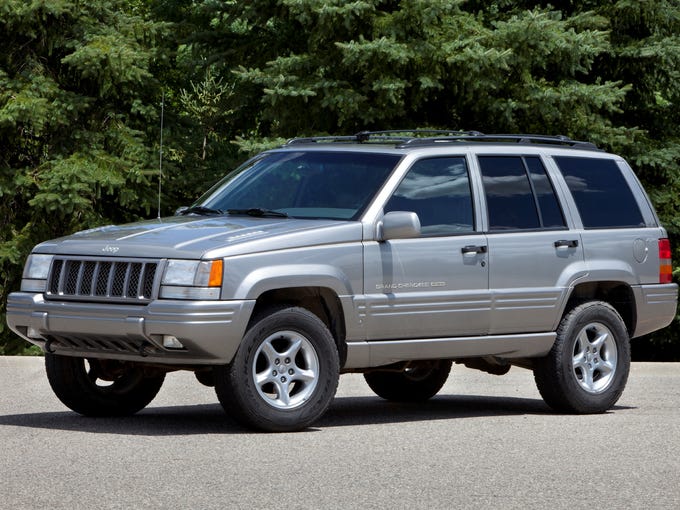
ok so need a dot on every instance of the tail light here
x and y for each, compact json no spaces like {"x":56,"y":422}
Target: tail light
{"x":665,"y":265}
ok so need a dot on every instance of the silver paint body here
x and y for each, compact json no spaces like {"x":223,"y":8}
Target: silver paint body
{"x":402,"y":299}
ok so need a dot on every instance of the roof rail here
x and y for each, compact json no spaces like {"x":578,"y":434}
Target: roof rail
{"x":424,"y":137}
{"x":410,"y":134}
{"x":396,"y":136}
{"x":524,"y":139}
{"x":322,"y":139}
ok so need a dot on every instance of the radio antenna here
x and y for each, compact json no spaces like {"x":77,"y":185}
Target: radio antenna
{"x":160,"y":156}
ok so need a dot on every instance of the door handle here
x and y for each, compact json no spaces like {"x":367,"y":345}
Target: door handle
{"x":569,"y":243}
{"x":471,"y":248}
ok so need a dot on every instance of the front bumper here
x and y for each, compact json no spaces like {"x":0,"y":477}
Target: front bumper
{"x":210,"y":331}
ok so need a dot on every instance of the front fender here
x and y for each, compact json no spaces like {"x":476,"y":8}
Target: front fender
{"x":269,"y":278}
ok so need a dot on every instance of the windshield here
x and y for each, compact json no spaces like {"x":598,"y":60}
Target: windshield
{"x":313,"y":184}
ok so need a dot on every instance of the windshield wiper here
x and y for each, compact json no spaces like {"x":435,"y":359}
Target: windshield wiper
{"x":199,"y":209}
{"x":258,"y":211}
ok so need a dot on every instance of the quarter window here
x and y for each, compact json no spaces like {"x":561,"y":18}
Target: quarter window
{"x":601,"y":193}
{"x":438,"y":191}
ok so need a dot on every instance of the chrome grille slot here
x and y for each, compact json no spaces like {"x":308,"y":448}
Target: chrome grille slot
{"x":55,"y":276}
{"x":85,"y":286}
{"x":71,"y":273}
{"x":91,"y":279}
{"x":103,"y":274}
{"x":119,"y":276}
{"x":132,"y":287}
{"x":149,"y":273}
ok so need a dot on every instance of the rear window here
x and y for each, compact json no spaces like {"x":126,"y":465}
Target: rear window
{"x":601,"y":193}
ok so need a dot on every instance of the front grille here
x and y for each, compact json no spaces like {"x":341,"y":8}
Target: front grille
{"x":129,"y":281}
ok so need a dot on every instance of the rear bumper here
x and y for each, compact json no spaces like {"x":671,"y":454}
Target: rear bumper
{"x":210,"y":331}
{"x":656,"y":307}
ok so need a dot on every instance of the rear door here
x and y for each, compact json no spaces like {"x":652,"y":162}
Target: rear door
{"x":533,"y":256}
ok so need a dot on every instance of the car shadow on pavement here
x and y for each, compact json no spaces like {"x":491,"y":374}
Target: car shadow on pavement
{"x":347,"y":411}
{"x":152,"y":421}
{"x":344,"y":411}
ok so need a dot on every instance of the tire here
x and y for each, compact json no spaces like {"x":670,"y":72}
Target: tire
{"x":587,"y":368}
{"x":93,"y":387}
{"x":206,"y":377}
{"x":284,"y":375}
{"x":418,"y":382}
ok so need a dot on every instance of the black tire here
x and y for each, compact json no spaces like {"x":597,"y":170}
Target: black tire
{"x":284,"y":375}
{"x":94,"y":387}
{"x":206,"y":377}
{"x":587,"y":368}
{"x":420,"y":381}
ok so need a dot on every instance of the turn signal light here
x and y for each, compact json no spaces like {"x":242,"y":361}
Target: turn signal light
{"x":215,"y":279}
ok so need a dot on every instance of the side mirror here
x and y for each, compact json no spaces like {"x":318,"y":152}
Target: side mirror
{"x":180,"y":210}
{"x":399,"y":225}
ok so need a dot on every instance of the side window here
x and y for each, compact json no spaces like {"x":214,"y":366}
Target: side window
{"x":601,"y":193}
{"x":519,"y":194}
{"x":438,"y":191}
{"x":548,"y":206}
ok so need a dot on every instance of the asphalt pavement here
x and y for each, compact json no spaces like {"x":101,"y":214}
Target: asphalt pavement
{"x":483,"y":442}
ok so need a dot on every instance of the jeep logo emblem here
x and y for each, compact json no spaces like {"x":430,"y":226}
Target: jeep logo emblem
{"x":110,"y":249}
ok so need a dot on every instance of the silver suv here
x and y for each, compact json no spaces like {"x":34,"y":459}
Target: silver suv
{"x":391,"y":254}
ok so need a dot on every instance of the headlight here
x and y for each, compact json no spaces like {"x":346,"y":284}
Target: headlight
{"x":35,"y":272}
{"x":192,"y":279}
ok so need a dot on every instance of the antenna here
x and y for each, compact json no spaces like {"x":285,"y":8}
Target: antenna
{"x":160,"y":156}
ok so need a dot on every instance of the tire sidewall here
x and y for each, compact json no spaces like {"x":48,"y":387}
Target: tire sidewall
{"x":69,"y":380}
{"x":584,"y":315}
{"x":402,"y":387}
{"x":241,"y":393}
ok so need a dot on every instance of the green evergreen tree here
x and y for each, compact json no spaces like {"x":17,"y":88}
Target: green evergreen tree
{"x":604,"y":71}
{"x":78,"y":116}
{"x":80,"y":89}
{"x":337,"y":66}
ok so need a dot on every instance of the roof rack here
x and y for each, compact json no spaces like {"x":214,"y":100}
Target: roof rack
{"x":425,"y":137}
{"x":524,"y":139}
{"x":396,"y":136}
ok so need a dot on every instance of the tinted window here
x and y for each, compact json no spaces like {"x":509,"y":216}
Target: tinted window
{"x":549,"y":208}
{"x":305,"y":184}
{"x":601,"y":193}
{"x":509,"y":198}
{"x":438,"y":191}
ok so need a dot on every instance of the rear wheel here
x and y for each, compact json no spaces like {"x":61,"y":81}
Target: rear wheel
{"x":284,"y":375}
{"x":420,"y":380}
{"x":587,"y":369}
{"x":94,"y":387}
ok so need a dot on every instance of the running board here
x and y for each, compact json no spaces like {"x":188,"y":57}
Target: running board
{"x":384,"y":352}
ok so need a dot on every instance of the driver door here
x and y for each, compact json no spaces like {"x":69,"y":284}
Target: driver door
{"x":435,"y":285}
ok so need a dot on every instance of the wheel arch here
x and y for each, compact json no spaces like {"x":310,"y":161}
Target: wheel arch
{"x":321,"y":301}
{"x":618,"y":294}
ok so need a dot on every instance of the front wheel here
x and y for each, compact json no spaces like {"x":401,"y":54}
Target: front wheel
{"x":94,"y":387}
{"x":420,"y":380}
{"x":284,"y":375}
{"x":587,"y":368}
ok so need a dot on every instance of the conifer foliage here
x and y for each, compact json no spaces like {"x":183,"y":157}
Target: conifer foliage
{"x":80,"y":86}
{"x":76,"y":111}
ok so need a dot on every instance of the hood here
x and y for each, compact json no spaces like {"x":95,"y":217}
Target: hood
{"x":199,"y":236}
